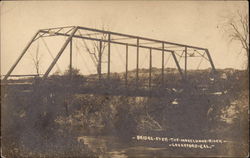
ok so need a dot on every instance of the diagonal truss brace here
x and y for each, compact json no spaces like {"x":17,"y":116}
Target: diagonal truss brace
{"x":60,"y":52}
{"x":20,"y":57}
{"x":72,"y":34}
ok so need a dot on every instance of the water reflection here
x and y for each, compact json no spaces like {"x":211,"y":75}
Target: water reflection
{"x":104,"y":146}
{"x":109,"y":146}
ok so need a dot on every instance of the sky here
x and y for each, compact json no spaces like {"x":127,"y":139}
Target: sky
{"x":196,"y":23}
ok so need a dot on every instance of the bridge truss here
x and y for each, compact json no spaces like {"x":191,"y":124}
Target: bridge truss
{"x":109,"y":38}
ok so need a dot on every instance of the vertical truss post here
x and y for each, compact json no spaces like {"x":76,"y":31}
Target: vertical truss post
{"x":70,"y":57}
{"x":137,"y":61}
{"x":150,"y":67}
{"x":177,"y":64}
{"x":185,"y":62}
{"x":109,"y":56}
{"x":126,"y":73}
{"x":100,"y":61}
{"x":21,"y":55}
{"x":210,"y":60}
{"x":162,"y":67}
{"x":60,"y":53}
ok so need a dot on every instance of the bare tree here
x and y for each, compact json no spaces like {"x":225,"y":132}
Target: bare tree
{"x":96,"y":49}
{"x":237,"y":29}
{"x":37,"y":60}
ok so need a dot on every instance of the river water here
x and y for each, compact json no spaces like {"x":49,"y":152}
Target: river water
{"x":110,"y":146}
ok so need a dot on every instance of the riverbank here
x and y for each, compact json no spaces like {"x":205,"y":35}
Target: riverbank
{"x":49,"y":122}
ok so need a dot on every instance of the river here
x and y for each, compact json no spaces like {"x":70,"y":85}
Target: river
{"x":112,"y":147}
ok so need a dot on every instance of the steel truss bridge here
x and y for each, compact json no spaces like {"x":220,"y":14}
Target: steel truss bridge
{"x":108,"y":39}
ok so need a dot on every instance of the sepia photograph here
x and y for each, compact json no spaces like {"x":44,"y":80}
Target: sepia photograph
{"x":124,"y":79}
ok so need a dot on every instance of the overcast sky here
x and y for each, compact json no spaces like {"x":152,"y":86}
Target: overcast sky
{"x":194,"y":23}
